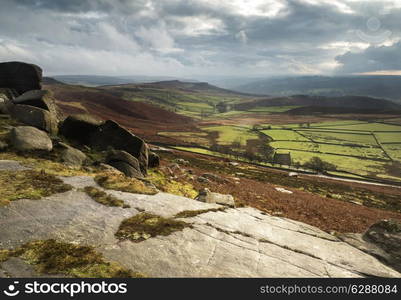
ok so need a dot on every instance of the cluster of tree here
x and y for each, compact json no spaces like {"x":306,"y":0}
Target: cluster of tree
{"x":319,"y":165}
{"x":253,"y":152}
{"x":307,"y":125}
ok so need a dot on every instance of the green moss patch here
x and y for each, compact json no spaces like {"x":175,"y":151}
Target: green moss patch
{"x":29,"y":184}
{"x":125,"y":184}
{"x":194,"y":213}
{"x":54,"y":257}
{"x":144,"y":226}
{"x":104,"y":198}
{"x":162,"y":182}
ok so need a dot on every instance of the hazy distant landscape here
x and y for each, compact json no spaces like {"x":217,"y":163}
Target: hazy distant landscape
{"x":200,"y":139}
{"x":359,"y":136}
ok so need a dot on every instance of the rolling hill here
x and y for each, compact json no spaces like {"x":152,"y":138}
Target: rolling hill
{"x":350,"y":104}
{"x":388,"y":87}
{"x":145,"y":118}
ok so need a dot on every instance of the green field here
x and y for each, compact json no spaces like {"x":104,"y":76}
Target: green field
{"x":368,"y":152}
{"x":376,"y":127}
{"x":394,"y":150}
{"x":286,"y":135}
{"x":272,"y":109}
{"x":359,"y":166}
{"x":229,"y":134}
{"x":352,"y":146}
{"x":329,"y":136}
{"x":388,"y":137}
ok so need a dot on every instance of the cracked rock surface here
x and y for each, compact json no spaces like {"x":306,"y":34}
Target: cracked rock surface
{"x":236,"y":242}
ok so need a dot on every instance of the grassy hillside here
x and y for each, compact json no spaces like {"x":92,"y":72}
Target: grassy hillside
{"x":187,"y":98}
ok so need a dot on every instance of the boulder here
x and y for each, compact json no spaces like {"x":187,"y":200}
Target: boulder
{"x":72,"y":156}
{"x":124,"y":162}
{"x":111,"y":134}
{"x":26,"y":138}
{"x":386,"y":235}
{"x":205,"y":195}
{"x":382,"y":240}
{"x":153,"y":160}
{"x":85,"y":130}
{"x":202,"y":179}
{"x":38,"y":98}
{"x":21,"y":77}
{"x":107,"y":168}
{"x":181,"y":161}
{"x":79,"y":128}
{"x":36,"y":117}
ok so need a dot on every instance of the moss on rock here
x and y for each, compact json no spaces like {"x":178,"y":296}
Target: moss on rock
{"x":54,"y":257}
{"x":144,"y":225}
{"x":194,"y":213}
{"x":104,"y":198}
{"x":122,"y":183}
{"x":29,"y":184}
{"x":162,"y":182}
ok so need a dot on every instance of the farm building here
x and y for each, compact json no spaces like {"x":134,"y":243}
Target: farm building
{"x":282,"y":159}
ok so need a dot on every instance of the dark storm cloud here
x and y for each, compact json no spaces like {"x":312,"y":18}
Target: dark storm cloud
{"x":199,"y":36}
{"x":372,"y":59}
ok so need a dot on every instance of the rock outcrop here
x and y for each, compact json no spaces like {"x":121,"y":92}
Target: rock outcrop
{"x":36,"y":117}
{"x":234,"y":242}
{"x":72,"y":156}
{"x":79,"y":128}
{"x":382,"y":240}
{"x":27,"y":138}
{"x":111,"y":134}
{"x":124,"y":162}
{"x":153,"y":160}
{"x":105,"y":135}
{"x":21,"y":77}
{"x":205,"y":195}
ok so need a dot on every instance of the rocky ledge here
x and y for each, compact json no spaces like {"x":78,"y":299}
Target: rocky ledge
{"x":215,"y":241}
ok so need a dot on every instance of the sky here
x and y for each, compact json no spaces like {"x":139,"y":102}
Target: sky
{"x":245,"y":38}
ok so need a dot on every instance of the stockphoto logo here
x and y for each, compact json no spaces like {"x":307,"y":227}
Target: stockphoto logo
{"x":70,"y":289}
{"x":12,"y":290}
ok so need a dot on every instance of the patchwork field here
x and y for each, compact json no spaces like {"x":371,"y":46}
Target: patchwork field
{"x":226,"y":135}
{"x":356,"y":148}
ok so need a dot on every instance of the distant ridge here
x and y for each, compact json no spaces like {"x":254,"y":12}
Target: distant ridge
{"x":346,"y":103}
{"x":388,"y":87}
{"x":50,"y":81}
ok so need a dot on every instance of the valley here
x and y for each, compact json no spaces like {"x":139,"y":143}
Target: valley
{"x":363,"y":141}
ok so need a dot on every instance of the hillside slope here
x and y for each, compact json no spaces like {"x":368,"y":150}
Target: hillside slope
{"x":145,"y":118}
{"x":239,"y":242}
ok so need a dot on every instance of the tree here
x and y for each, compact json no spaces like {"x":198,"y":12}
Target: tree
{"x":317,"y":164}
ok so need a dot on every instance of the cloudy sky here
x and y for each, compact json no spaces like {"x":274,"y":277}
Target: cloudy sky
{"x":201,"y":37}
